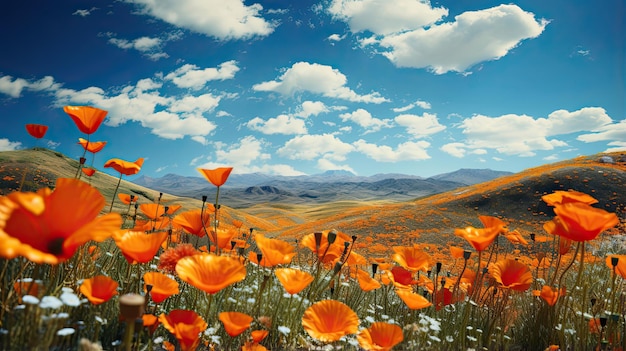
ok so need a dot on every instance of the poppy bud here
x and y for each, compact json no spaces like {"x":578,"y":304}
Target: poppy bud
{"x":148,"y":288}
{"x":332,"y":236}
{"x":603,"y":321}
{"x":131,"y":306}
{"x":165,"y":210}
{"x":251,"y":230}
{"x":614,"y":261}
{"x":439,"y":264}
{"x":232,"y":244}
{"x":318,"y":240}
{"x":467,"y":254}
{"x":204,"y":197}
{"x":259,"y":257}
{"x":160,"y":196}
{"x":532,"y":236}
{"x":132,"y":198}
{"x":337,"y":268}
{"x":353,"y":238}
{"x":82,"y":160}
{"x":374,"y":269}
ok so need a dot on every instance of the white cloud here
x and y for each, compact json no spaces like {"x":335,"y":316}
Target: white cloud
{"x":335,"y":37}
{"x":317,"y":79}
{"x":615,"y":132}
{"x":8,"y":145}
{"x":454,"y":149}
{"x":191,"y":76}
{"x":83,"y":12}
{"x":420,"y":126}
{"x":385,"y":16}
{"x":308,"y":147}
{"x":474,"y":36}
{"x":419,"y":103}
{"x":312,"y":108}
{"x":282,"y":124}
{"x":618,"y":146}
{"x":412,"y":33}
{"x":325,"y":164}
{"x":408,"y":151}
{"x":364,"y":119}
{"x":221,"y":19}
{"x":199,"y":104}
{"x":524,"y":135}
{"x":14,"y":87}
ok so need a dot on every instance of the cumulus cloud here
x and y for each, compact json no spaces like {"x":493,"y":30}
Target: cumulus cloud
{"x":408,"y":151}
{"x":385,"y":16}
{"x":193,"y":77}
{"x":364,"y":119}
{"x":524,"y":135}
{"x":325,"y":164}
{"x":282,"y":124}
{"x":8,"y":145}
{"x":615,"y":132}
{"x":312,"y":108}
{"x":84,"y":12}
{"x":317,"y":79}
{"x":419,"y":103}
{"x":221,"y":19}
{"x":309,"y":147}
{"x":420,"y":126}
{"x":14,"y":86}
{"x":474,"y":36}
{"x":413,"y":34}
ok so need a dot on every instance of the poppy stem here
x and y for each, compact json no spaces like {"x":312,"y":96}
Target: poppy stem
{"x":119,"y":180}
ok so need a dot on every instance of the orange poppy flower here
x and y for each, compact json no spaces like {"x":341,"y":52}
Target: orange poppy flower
{"x":493,"y":222}
{"x":457,"y":252}
{"x":162,"y":286}
{"x":224,"y":237}
{"x":92,"y":146}
{"x":36,"y":130}
{"x":216,"y":176}
{"x":549,"y":294}
{"x":171,"y":209}
{"x":237,"y":223}
{"x":258,"y":335}
{"x":235,"y":323}
{"x":274,"y":251}
{"x":293,"y":280}
{"x":326,"y":252}
{"x":99,"y":289}
{"x":150,"y":321}
{"x":412,"y":300}
{"x":139,"y":247}
{"x":560,"y":197}
{"x":125,"y":167}
{"x":479,"y":238}
{"x":193,"y":222}
{"x":127,"y":199}
{"x":86,"y":118}
{"x":209,"y":272}
{"x":329,"y":320}
{"x":380,"y":336}
{"x":49,"y":226}
{"x":411,"y":258}
{"x":170,"y":257}
{"x":515,"y":237}
{"x":152,"y":210}
{"x":578,"y":221}
{"x":564,"y":245}
{"x":186,"y":326}
{"x":366,"y":282}
{"x":402,"y":275}
{"x":512,"y":274}
{"x":88,"y":171}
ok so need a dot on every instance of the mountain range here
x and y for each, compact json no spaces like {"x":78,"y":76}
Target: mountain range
{"x":245,"y":190}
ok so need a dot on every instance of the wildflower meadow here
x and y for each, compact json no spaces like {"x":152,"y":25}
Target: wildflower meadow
{"x":78,"y":274}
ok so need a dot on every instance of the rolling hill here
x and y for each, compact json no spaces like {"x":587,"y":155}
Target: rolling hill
{"x":380,"y":218}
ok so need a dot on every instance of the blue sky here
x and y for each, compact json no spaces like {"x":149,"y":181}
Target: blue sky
{"x":301,"y":87}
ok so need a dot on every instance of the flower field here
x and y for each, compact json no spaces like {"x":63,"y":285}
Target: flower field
{"x":112,"y":268}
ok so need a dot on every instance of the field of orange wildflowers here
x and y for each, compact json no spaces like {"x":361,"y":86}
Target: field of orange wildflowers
{"x":78,"y":275}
